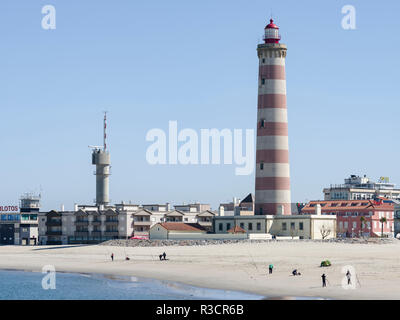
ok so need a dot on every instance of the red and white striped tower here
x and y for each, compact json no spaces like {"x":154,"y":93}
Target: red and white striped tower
{"x":272,"y":158}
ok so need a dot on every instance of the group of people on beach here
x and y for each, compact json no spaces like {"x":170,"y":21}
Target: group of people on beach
{"x":295,"y":272}
{"x":161,"y":256}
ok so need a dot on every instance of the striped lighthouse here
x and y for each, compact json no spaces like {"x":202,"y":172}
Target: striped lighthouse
{"x":272,"y":193}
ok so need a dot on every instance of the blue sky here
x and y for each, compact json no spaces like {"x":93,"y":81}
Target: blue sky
{"x":148,"y":62}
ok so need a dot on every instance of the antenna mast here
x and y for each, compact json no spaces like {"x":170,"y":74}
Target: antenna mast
{"x":105,"y":131}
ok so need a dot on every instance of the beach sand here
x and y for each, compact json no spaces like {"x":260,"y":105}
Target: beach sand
{"x":239,"y":266}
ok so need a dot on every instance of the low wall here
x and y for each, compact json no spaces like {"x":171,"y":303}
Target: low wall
{"x":207,"y":236}
{"x":260,"y":236}
{"x":287,"y":238}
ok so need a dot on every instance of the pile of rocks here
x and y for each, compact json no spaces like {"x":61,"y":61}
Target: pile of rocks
{"x":164,"y":243}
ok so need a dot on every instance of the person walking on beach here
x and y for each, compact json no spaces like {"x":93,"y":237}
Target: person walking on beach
{"x":270,"y":268}
{"x":348,"y":275}
{"x":323,"y":280}
{"x":112,"y":256}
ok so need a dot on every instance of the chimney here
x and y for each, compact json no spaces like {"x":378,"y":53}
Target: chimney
{"x":75,"y":207}
{"x":221,"y":211}
{"x":62,"y":208}
{"x":318,"y":209}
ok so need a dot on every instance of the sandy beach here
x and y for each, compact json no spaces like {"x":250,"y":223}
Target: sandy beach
{"x":239,"y":267}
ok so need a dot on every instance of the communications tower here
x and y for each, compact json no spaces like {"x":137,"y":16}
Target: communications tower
{"x":101,"y":159}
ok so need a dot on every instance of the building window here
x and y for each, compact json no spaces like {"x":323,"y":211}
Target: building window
{"x":258,"y":226}
{"x":284,"y":226}
{"x":261,"y":209}
{"x":301,"y":227}
{"x":228,"y":226}
{"x":220,"y":227}
{"x":242,"y":225}
{"x":250,"y":226}
{"x":292,"y":226}
{"x":263,"y":60}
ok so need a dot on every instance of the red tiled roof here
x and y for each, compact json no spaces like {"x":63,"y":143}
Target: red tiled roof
{"x":180,"y":226}
{"x":347,"y":205}
{"x":236,"y":229}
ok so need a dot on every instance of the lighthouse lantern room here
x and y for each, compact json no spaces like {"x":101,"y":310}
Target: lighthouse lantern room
{"x":272,"y":33}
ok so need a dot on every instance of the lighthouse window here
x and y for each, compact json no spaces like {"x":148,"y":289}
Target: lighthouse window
{"x":262,"y":166}
{"x":263,"y":60}
{"x":262,"y":81}
{"x":263,"y":123}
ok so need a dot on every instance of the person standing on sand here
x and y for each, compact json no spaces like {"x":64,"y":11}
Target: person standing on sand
{"x":112,"y":256}
{"x":348,"y":275}
{"x":164,"y":256}
{"x":270,"y":268}
{"x":323,"y":280}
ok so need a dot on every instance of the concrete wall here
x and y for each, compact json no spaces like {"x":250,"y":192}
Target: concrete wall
{"x":206,"y":236}
{"x":276,"y":227}
{"x":318,"y":224}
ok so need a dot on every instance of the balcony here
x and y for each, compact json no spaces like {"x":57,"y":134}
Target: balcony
{"x":81,"y":222}
{"x":54,"y":233}
{"x":141,"y":228}
{"x":142,"y":223}
{"x":173,"y":220}
{"x":52,"y":222}
{"x":112,"y":222}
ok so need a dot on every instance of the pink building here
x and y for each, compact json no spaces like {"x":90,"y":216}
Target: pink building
{"x":349,"y":213}
{"x":272,"y":185}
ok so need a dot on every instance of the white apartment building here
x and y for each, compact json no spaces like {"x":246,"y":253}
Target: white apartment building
{"x":362,"y":188}
{"x":92,"y":224}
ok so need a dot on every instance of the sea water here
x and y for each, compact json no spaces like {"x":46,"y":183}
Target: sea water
{"x":21,"y":285}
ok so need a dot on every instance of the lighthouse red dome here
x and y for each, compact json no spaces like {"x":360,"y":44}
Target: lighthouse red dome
{"x":271,"y":25}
